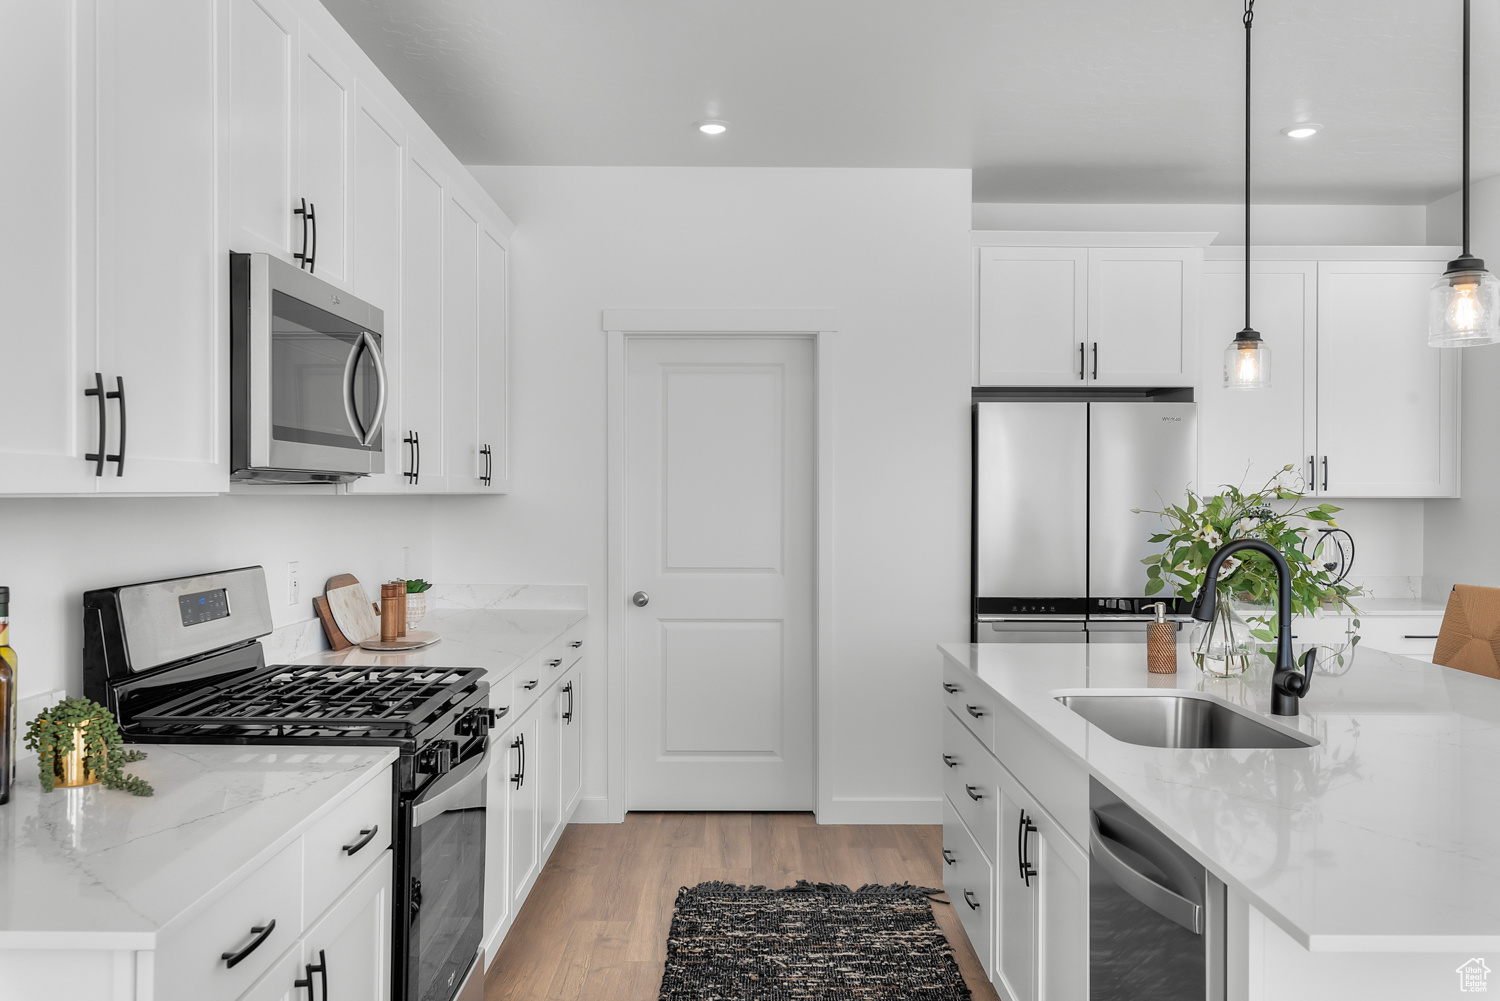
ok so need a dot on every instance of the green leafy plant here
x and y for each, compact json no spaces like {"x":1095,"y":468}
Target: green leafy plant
{"x":1276,"y":513}
{"x":417,"y":586}
{"x":104,"y":754}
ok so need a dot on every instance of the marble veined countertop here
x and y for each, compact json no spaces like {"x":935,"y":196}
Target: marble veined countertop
{"x":1383,"y":837}
{"x":101,"y":869}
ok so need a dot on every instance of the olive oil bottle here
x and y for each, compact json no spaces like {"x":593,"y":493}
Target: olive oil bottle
{"x":8,"y":722}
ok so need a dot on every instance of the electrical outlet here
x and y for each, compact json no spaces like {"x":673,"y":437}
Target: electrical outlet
{"x":294,"y":583}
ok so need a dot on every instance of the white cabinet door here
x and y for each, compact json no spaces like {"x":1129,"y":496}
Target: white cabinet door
{"x":262,"y":84}
{"x":1015,"y":963}
{"x":1246,"y":436}
{"x":352,"y":941}
{"x":1033,"y":316}
{"x":46,"y":423}
{"x":460,"y":346}
{"x":161,"y":275}
{"x":1387,"y":403}
{"x":523,"y":745}
{"x":570,"y":756}
{"x":1143,"y":316}
{"x":325,"y":111}
{"x":492,"y":370}
{"x":497,"y":809}
{"x":548,"y":775}
{"x":1062,"y":888}
{"x":375,"y":266}
{"x":417,"y":443}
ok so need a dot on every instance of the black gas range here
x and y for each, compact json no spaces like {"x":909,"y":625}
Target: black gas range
{"x":179,"y":661}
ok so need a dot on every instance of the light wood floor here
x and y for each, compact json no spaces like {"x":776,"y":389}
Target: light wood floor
{"x":595,"y":926}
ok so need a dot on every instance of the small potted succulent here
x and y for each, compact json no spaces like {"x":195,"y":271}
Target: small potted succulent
{"x":416,"y":601}
{"x":78,"y":743}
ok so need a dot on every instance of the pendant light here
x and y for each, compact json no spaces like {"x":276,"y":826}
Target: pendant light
{"x":1247,"y":360}
{"x":1465,"y":302}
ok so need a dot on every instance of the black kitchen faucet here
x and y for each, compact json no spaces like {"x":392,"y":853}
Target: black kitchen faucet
{"x":1287,"y":684}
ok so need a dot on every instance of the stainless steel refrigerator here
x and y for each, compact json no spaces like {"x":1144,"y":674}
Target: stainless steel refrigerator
{"x":1057,"y":550}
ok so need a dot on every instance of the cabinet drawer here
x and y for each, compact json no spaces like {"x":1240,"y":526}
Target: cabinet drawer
{"x":328,"y":867}
{"x":971,"y":779}
{"x":967,"y":698}
{"x":193,"y":952}
{"x":562,"y":653}
{"x":526,"y":683}
{"x":968,"y":879}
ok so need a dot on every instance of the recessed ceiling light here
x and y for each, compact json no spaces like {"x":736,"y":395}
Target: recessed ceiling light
{"x":1301,"y":130}
{"x":712,"y":126}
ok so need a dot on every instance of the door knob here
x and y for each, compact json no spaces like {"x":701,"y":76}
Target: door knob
{"x":640,"y":599}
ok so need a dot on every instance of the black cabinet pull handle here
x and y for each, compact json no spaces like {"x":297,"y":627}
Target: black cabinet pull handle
{"x":1420,"y":636}
{"x":97,"y":457}
{"x":416,"y":469}
{"x":1025,"y":831}
{"x":368,"y":836}
{"x":1096,"y":352}
{"x":975,"y":796}
{"x":302,"y":258}
{"x":531,"y":684}
{"x":948,"y":857}
{"x":484,"y":477}
{"x":310,"y":256}
{"x":1080,"y":361}
{"x":950,"y":761}
{"x":1312,"y":471}
{"x":975,"y":711}
{"x":951,"y":688}
{"x":519,"y":744}
{"x":1325,"y":472}
{"x":568,"y":716}
{"x":321,"y":969}
{"x":555,"y":662}
{"x":261,"y":933}
{"x":118,"y":393}
{"x":969,"y":899}
{"x":576,"y":644}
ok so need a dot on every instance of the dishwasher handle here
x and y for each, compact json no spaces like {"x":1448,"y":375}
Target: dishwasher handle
{"x":1169,"y":903}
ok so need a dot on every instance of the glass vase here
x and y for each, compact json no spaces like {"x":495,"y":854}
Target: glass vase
{"x":1222,"y":646}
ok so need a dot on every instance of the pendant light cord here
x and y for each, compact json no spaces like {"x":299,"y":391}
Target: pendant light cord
{"x":1466,"y":127}
{"x":1249,"y":19}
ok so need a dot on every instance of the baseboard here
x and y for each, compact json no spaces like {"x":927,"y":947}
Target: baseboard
{"x":592,"y":810}
{"x":882,"y":810}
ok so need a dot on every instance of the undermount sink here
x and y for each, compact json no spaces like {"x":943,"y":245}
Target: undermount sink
{"x":1179,"y":719}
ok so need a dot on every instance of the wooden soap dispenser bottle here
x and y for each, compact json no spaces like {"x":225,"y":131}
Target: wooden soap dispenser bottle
{"x":1161,"y":642}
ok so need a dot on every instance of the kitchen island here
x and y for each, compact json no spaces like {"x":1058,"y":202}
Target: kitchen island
{"x":1365,"y":866}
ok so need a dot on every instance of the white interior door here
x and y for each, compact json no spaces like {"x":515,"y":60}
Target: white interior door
{"x":719,"y":539}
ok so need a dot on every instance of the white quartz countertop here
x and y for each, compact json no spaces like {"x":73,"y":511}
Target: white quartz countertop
{"x":1383,"y":837}
{"x":498,"y":640}
{"x":96,"y":868}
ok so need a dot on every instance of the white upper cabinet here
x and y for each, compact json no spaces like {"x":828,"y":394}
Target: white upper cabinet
{"x":464,"y":465}
{"x":1072,"y":316}
{"x":1245,"y":437}
{"x":1143,"y":316}
{"x":1387,"y":403}
{"x":325,"y":112}
{"x":494,"y":337}
{"x":416,"y":445}
{"x":1033,"y":316}
{"x":262,"y":89}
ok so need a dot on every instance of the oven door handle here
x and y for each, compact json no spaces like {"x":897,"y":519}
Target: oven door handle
{"x":379,"y":420}
{"x":1168,"y":903}
{"x":451,"y":790}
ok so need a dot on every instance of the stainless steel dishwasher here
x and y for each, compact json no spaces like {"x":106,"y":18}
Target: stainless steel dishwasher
{"x":1156,"y":916}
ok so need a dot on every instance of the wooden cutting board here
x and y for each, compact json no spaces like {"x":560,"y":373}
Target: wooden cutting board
{"x":351,"y":609}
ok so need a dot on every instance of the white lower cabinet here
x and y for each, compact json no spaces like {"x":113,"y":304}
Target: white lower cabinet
{"x":1021,"y":890}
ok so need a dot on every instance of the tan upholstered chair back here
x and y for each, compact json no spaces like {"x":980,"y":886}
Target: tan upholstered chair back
{"x":1470,"y":637}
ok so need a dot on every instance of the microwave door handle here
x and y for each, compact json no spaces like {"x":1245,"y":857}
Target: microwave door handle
{"x":379,"y":419}
{"x":351,"y":366}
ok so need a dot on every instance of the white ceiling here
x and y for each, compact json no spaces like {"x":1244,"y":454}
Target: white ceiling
{"x":1047,"y":100}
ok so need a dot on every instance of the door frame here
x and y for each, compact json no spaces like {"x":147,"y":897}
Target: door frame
{"x":821,"y":326}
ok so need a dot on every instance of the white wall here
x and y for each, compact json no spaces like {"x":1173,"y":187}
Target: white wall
{"x":1462,"y":537}
{"x":888,"y":249}
{"x":1271,"y":225}
{"x":52,"y":550}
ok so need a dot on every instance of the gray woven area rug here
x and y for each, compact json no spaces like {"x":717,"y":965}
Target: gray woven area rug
{"x":809,"y":941}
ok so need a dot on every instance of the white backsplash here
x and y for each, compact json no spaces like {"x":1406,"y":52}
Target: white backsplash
{"x":508,"y":596}
{"x":294,"y":640}
{"x":1387,"y":588}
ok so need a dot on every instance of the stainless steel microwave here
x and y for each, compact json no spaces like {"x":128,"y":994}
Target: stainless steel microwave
{"x":308,"y":379}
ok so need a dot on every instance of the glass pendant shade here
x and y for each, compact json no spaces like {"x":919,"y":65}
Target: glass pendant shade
{"x":1247,"y":362}
{"x":1464,"y":307}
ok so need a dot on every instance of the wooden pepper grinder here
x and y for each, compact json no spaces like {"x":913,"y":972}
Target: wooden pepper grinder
{"x":1161,"y":642}
{"x":392,"y":597}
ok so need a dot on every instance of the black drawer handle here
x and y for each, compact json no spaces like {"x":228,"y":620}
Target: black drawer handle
{"x":948,"y":857}
{"x":975,"y":711}
{"x":261,"y":933}
{"x":969,"y":899}
{"x":576,"y":644}
{"x":1421,"y":636}
{"x":950,"y":761}
{"x":118,"y":393}
{"x":557,"y":662}
{"x":951,"y":689}
{"x":321,"y":969}
{"x":531,"y":684}
{"x":975,"y":796}
{"x":368,"y":836}
{"x":97,"y":458}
